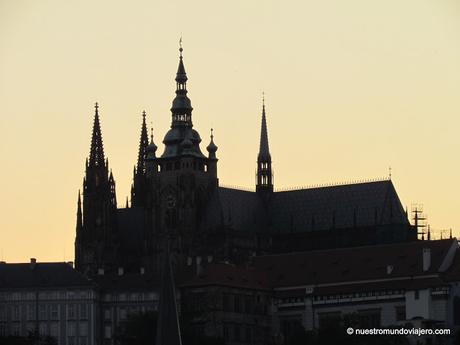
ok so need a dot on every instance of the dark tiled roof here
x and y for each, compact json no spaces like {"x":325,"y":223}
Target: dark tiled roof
{"x":236,"y":209}
{"x":336,"y":207}
{"x":43,"y":275}
{"x":352,"y":264}
{"x":323,"y":208}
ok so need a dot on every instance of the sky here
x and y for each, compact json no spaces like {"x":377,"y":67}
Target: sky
{"x":351,"y":88}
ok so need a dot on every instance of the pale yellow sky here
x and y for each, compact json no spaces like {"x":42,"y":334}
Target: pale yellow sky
{"x":352,"y":87}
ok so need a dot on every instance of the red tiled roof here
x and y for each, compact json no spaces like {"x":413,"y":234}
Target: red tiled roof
{"x":351,"y":264}
{"x":228,"y":275}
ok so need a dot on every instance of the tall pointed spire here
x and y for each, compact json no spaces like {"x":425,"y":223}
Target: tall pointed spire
{"x":143,"y":143}
{"x":181,"y":107}
{"x":264,"y":152}
{"x":264,"y":160}
{"x":79,"y":213}
{"x":96,"y":155}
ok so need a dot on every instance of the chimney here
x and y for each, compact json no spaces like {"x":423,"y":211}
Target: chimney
{"x":426,"y":259}
{"x":33,"y":263}
{"x":100,"y":271}
{"x":389,"y":269}
{"x":142,"y":270}
{"x":120,"y":271}
{"x":199,"y":268}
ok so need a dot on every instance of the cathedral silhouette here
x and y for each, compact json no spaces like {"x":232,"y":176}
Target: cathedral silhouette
{"x":176,"y":199}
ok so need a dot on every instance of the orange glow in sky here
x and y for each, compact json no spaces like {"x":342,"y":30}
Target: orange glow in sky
{"x":351,"y":88}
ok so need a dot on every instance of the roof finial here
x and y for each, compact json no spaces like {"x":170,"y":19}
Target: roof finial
{"x":180,"y":46}
{"x":143,"y":114}
{"x":389,"y":172}
{"x":212,"y":135}
{"x":151,"y":132}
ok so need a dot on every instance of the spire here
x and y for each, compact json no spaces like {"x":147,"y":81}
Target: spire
{"x":181,"y":107}
{"x":96,"y":155}
{"x":264,"y":160}
{"x":79,"y":213}
{"x":143,"y":143}
{"x":264,"y":152}
{"x":168,"y":330}
{"x":212,"y":148}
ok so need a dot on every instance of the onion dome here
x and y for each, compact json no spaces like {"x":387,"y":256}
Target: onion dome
{"x":151,"y":148}
{"x":212,"y":148}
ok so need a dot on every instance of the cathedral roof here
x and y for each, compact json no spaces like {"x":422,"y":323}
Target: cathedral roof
{"x":336,"y":207}
{"x":312,"y":209}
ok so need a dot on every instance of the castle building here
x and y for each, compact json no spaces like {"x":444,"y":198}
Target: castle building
{"x":176,"y":198}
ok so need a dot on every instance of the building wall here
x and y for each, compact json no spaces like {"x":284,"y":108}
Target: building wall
{"x":65,"y":314}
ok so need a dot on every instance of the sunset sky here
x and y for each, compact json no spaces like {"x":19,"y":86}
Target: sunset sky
{"x":351,"y":87}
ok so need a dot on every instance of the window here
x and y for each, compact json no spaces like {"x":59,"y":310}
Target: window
{"x":83,"y":311}
{"x":71,"y":311}
{"x":122,"y":313}
{"x":331,"y":319}
{"x":248,"y":305}
{"x":16,"y":328}
{"x":226,"y":302}
{"x":400,"y":313}
{"x":2,"y":313}
{"x":42,"y":312}
{"x":107,"y":314}
{"x":15,"y":313}
{"x":54,"y":329}
{"x":42,"y":329}
{"x":83,"y":329}
{"x":83,"y":341}
{"x":416,"y":294}
{"x":71,"y":329}
{"x":30,"y":312}
{"x":54,"y":315}
{"x":236,"y":304}
{"x":107,"y":332}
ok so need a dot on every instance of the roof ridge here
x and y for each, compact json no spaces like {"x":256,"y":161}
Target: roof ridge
{"x":334,"y":184}
{"x":354,"y":248}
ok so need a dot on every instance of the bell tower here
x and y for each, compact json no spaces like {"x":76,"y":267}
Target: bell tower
{"x":185,"y":177}
{"x":96,"y":243}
